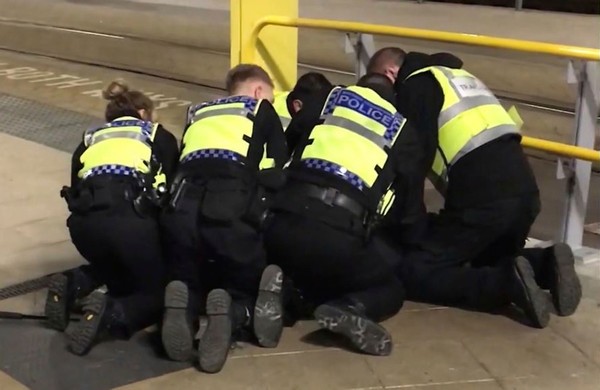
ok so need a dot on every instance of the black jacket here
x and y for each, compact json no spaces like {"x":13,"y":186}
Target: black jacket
{"x":495,"y":171}
{"x":164,"y":148}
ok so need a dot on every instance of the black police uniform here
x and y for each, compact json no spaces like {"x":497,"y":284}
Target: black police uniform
{"x":213,"y":223}
{"x":491,"y":201}
{"x":121,"y":242}
{"x":319,"y":233}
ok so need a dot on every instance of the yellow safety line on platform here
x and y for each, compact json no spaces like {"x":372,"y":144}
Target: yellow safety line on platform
{"x":583,"y":53}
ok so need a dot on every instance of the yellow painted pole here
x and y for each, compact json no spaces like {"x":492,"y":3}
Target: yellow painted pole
{"x":235,"y":32}
{"x":277,"y":48}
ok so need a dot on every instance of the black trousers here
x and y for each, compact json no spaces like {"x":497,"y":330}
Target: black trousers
{"x":125,"y":253}
{"x":330,"y":264}
{"x":208,"y":254}
{"x":465,"y":257}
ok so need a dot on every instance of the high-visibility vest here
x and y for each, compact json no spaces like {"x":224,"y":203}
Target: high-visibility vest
{"x":122,"y":147}
{"x":220,"y":129}
{"x":471,"y":116}
{"x":280,"y":105}
{"x":359,"y":129}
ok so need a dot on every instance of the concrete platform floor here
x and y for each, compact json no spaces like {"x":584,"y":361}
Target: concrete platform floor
{"x":435,"y":347}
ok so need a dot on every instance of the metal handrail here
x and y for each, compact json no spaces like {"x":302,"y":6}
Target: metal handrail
{"x":561,"y":149}
{"x":582,"y":53}
{"x":565,"y":51}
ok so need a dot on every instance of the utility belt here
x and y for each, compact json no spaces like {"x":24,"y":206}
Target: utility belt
{"x":220,"y":200}
{"x":360,"y":221}
{"x":103,"y":194}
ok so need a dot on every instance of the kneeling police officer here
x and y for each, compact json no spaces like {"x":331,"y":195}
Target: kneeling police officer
{"x":215,"y":214}
{"x":354,"y":150}
{"x":118,"y":172}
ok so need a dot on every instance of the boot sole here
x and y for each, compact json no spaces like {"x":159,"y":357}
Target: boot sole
{"x":366,"y":335}
{"x":536,"y":309}
{"x":176,"y":335}
{"x":57,"y":305}
{"x":567,"y":292}
{"x":268,"y":310}
{"x":215,"y":343}
{"x":83,"y":336}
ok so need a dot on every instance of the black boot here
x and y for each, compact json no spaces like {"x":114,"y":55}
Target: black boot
{"x":216,"y":340}
{"x":63,"y":291}
{"x":268,"y":310}
{"x":349,"y":320}
{"x":177,"y":329}
{"x":59,"y":302}
{"x":527,"y":295}
{"x":563,"y":282}
{"x":101,"y":316}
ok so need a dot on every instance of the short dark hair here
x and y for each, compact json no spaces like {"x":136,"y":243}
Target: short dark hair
{"x":244,"y":72}
{"x":380,"y":84}
{"x":308,"y":85}
{"x":385,"y":57}
{"x":312,"y":82}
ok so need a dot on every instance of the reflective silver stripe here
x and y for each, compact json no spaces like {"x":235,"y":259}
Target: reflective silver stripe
{"x":480,"y":139}
{"x":439,"y":183}
{"x":358,"y":129}
{"x":464,"y":104}
{"x":220,"y":111}
{"x":285,"y":122}
{"x":120,"y":134}
{"x":483,"y":138}
{"x":444,"y":70}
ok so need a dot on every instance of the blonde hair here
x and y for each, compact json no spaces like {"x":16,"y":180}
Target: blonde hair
{"x":245,"y":72}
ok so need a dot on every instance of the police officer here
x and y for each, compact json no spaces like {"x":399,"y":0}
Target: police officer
{"x":472,"y":148}
{"x":287,"y":104}
{"x":310,"y":86}
{"x":216,"y":211}
{"x":358,"y":147}
{"x":117,"y":172}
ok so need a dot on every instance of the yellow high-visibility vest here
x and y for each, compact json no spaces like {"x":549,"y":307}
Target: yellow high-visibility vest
{"x":358,"y":130}
{"x":280,"y":105}
{"x":122,"y":147}
{"x":471,"y":116}
{"x":220,"y":129}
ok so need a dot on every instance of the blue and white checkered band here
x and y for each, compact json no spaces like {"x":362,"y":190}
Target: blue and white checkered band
{"x":330,"y":105}
{"x":337,"y":170}
{"x":110,"y":169}
{"x":222,"y":154}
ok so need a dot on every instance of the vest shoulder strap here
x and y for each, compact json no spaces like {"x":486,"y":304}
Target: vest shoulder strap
{"x":232,"y":105}
{"x":146,"y":133}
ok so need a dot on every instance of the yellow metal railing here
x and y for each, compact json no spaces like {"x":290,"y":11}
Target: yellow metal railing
{"x":561,"y":149}
{"x":581,"y":53}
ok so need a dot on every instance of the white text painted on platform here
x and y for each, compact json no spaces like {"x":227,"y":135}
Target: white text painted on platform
{"x":63,"y":81}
